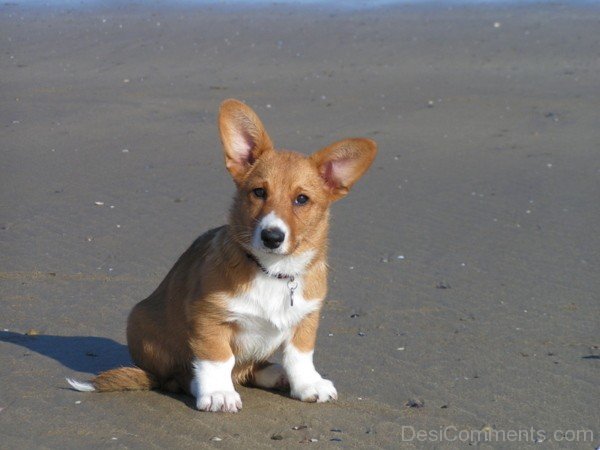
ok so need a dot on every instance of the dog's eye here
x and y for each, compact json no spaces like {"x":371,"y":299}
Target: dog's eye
{"x":259,"y":192}
{"x":301,"y":200}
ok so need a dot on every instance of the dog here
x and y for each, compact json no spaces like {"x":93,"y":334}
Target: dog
{"x":246,"y":289}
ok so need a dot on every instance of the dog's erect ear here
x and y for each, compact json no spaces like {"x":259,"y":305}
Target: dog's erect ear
{"x":243,"y":135}
{"x":342,"y":163}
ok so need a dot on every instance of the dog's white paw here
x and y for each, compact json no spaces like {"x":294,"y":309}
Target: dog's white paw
{"x":319,"y":391}
{"x":272,"y":377}
{"x":220,"y":401}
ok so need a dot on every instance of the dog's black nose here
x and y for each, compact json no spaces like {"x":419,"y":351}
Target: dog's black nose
{"x":272,"y":237}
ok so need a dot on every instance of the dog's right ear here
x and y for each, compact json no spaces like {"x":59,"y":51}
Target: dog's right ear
{"x":244,"y":137}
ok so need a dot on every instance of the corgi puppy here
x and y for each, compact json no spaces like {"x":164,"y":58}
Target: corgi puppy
{"x":246,"y":289}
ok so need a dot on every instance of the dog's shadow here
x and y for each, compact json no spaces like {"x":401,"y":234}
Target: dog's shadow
{"x":79,"y":353}
{"x":89,"y":354}
{"x":86,"y":354}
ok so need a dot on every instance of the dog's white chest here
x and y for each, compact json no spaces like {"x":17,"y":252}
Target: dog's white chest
{"x":265,"y":316}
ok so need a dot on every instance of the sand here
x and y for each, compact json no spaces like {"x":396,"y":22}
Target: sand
{"x":464,"y":267}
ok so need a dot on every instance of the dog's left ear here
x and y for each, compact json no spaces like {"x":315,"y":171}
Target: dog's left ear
{"x":342,"y":163}
{"x":244,"y":137}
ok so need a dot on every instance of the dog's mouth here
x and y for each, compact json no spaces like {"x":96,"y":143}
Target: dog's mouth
{"x":261,"y":249}
{"x":270,"y":251}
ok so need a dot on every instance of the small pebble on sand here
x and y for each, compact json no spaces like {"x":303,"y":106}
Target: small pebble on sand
{"x":415,"y":403}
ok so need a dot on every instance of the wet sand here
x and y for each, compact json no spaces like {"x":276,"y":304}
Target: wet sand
{"x":464,"y":267}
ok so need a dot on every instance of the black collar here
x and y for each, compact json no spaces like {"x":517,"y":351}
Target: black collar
{"x":292,"y":284}
{"x":279,"y":276}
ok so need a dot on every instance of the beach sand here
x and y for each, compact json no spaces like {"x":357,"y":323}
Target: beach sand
{"x":465,"y":267}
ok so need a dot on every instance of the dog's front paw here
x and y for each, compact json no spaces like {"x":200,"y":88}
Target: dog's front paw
{"x":319,"y":391}
{"x":220,"y":401}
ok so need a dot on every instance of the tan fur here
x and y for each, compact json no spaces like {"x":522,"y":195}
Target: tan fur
{"x":186,"y":316}
{"x":125,"y":378}
{"x":305,"y":335}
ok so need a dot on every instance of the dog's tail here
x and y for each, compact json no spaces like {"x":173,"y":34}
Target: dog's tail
{"x":122,"y":379}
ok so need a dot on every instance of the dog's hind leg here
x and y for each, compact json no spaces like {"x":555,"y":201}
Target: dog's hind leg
{"x":270,"y":376}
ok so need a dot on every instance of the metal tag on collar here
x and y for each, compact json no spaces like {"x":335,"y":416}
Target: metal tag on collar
{"x":292,"y":285}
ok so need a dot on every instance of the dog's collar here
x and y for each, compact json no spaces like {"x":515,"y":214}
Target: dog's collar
{"x":279,"y":276}
{"x":291,"y":279}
